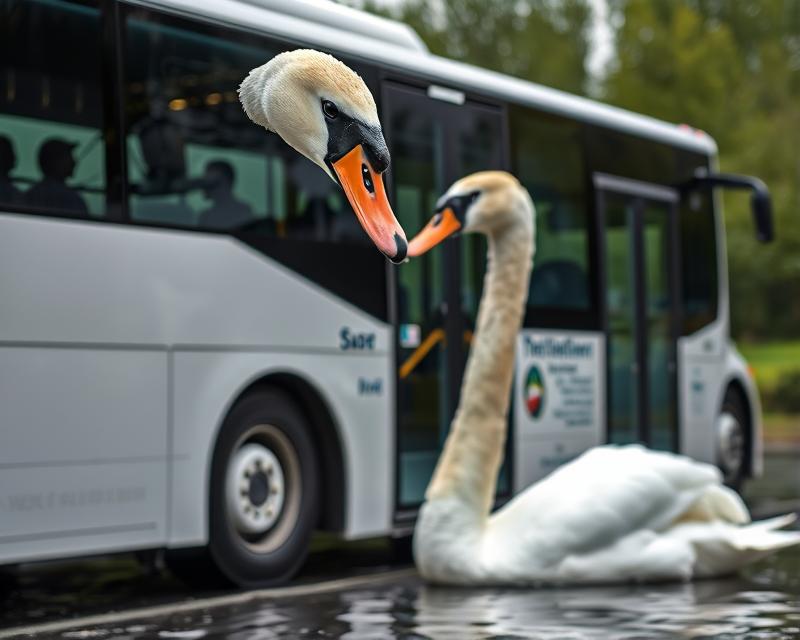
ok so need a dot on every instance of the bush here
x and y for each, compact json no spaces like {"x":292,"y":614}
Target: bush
{"x":784,"y":397}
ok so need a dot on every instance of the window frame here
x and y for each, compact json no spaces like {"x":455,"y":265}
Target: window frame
{"x":680,"y":165}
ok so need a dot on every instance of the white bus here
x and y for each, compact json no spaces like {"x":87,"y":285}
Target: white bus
{"x":200,"y":349}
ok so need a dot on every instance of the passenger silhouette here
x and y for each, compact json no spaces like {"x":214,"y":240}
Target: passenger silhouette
{"x":9,"y":194}
{"x":57,"y":165}
{"x":226,"y":212}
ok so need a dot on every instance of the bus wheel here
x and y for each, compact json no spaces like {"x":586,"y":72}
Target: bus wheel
{"x":732,"y":439}
{"x":264,"y":495}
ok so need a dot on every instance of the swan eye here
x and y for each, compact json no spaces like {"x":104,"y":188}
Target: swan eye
{"x":330,"y":110}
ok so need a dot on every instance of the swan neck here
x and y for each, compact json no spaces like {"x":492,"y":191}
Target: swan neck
{"x":474,"y":448}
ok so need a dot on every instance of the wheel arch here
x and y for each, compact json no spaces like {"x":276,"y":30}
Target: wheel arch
{"x":325,"y":433}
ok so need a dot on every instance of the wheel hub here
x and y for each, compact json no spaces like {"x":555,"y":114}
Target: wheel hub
{"x":255,"y":489}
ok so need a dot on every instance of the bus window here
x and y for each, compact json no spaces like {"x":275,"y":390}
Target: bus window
{"x":621,"y":154}
{"x":194,"y":159}
{"x":547,"y":158}
{"x":51,"y":109}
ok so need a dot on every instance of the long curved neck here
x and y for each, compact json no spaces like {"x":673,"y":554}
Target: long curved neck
{"x":473,"y":451}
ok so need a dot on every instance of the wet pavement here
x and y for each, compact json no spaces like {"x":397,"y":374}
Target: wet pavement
{"x":762,"y":603}
{"x":47,"y":592}
{"x":365,"y":602}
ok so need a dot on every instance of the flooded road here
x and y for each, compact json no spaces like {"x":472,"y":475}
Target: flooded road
{"x":762,"y":603}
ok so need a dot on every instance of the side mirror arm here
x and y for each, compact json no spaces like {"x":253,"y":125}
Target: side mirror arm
{"x":760,"y":201}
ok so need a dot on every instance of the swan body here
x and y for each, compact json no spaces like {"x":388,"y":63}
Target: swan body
{"x":323,"y":109}
{"x":616,"y":513}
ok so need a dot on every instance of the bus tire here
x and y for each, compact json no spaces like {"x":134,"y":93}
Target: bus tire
{"x":732,"y":439}
{"x":264,"y":494}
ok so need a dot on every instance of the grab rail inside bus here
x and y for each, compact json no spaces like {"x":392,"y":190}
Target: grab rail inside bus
{"x":435,"y":336}
{"x":760,"y":201}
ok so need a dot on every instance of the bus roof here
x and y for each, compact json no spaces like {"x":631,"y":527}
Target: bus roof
{"x":338,"y":16}
{"x":347,"y":31}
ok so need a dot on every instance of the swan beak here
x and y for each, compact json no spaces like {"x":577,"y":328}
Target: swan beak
{"x":365,"y":191}
{"x":442,"y":225}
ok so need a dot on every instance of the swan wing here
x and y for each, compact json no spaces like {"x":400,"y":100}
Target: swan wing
{"x":610,"y":500}
{"x":697,"y":549}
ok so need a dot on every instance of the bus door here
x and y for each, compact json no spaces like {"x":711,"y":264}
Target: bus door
{"x":638,"y":238}
{"x":435,"y":137}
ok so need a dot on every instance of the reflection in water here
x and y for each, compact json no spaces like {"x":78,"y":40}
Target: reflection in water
{"x":369,"y":618}
{"x":717,"y":608}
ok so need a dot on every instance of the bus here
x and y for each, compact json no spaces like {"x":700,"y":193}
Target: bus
{"x":201,"y":351}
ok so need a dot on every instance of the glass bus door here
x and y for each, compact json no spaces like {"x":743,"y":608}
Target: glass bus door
{"x":638,"y":245}
{"x":433,"y":143}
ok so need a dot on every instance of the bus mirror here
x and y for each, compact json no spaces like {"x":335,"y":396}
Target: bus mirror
{"x":760,"y":202}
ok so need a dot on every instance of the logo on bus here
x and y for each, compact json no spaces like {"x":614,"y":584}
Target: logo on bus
{"x":533,"y":392}
{"x":358,"y":341}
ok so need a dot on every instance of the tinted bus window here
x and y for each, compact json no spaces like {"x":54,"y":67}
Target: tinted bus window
{"x":698,"y":240}
{"x":196,"y":160}
{"x":547,"y":158}
{"x":698,"y":249}
{"x":627,"y":156}
{"x":51,"y":108}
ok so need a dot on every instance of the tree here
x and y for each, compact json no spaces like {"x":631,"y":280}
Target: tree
{"x":544,"y":41}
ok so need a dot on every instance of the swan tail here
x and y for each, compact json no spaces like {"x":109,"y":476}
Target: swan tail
{"x":723,"y":548}
{"x":778,"y":522}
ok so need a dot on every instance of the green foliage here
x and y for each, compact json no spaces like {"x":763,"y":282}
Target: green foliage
{"x":538,"y":40}
{"x":784,"y":397}
{"x":673,"y":66}
{"x":771,"y":360}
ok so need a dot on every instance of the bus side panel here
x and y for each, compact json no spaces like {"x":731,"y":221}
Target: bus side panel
{"x":82,"y":451}
{"x":84,"y":282}
{"x":702,"y":383}
{"x":356,"y":388}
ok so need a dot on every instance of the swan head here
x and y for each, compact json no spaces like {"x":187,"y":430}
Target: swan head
{"x":324,"y":110}
{"x":484,"y":202}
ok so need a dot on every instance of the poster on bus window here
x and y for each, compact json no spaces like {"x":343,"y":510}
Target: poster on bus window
{"x":559,"y":382}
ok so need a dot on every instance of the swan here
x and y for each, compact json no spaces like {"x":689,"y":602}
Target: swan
{"x":616,"y":513}
{"x":323,"y":109}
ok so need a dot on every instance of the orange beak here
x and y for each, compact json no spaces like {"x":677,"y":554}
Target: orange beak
{"x":365,"y":191}
{"x":441,"y":225}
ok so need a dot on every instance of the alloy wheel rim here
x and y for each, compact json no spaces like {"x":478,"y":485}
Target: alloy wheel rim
{"x":263,"y":489}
